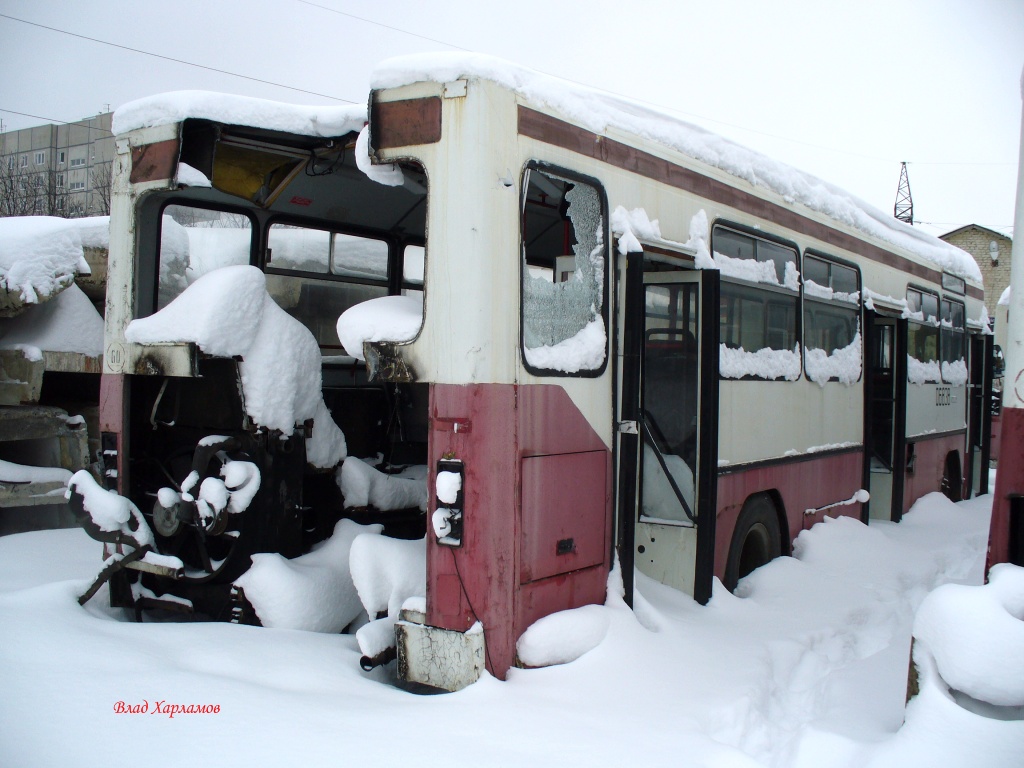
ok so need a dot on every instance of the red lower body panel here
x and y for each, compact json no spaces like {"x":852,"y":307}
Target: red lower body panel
{"x":537,"y":511}
{"x":1009,"y":482}
{"x":798,"y":486}
{"x":929,"y":466}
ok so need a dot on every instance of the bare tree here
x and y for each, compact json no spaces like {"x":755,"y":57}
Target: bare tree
{"x":26,"y":191}
{"x":102,"y":178}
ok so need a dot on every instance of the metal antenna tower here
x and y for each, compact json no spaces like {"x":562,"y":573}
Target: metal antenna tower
{"x":904,"y":210}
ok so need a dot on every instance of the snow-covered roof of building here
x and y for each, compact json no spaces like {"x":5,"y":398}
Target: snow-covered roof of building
{"x":591,"y":109}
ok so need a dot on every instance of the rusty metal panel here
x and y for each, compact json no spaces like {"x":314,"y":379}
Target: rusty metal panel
{"x":563,"y":513}
{"x":154,"y":162}
{"x":405,"y":123}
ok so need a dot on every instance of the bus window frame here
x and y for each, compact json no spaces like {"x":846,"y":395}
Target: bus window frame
{"x":944,"y":332}
{"x":858,"y":309}
{"x":931,"y":322}
{"x":147,"y":264}
{"x":582,"y":178}
{"x":780,"y":289}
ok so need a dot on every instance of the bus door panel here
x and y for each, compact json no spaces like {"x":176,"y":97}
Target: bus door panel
{"x":979,"y":415}
{"x":668,"y":433}
{"x":884,"y":414}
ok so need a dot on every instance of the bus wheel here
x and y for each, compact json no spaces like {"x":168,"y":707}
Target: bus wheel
{"x":952,"y":485}
{"x":755,"y":540}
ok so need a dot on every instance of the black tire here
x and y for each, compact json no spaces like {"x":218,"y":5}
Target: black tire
{"x":756,"y":540}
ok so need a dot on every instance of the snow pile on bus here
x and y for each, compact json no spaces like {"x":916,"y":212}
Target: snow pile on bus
{"x":229,"y":313}
{"x":173,"y":107}
{"x":313,"y":592}
{"x":387,"y":319}
{"x":600,"y":112}
{"x":40,"y":256}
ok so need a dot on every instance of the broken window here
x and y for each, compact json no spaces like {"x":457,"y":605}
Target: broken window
{"x":564,"y":258}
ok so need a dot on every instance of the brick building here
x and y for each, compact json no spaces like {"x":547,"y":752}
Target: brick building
{"x":991,"y":250}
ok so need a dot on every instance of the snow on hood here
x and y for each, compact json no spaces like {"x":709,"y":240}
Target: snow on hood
{"x":599,"y":111}
{"x":228,"y":313}
{"x":173,"y":107}
{"x":40,"y":255}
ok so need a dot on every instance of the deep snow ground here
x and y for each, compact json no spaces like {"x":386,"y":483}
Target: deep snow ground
{"x":805,"y":666}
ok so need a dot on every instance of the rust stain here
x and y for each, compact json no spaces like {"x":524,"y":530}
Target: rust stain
{"x":406,"y":123}
{"x":154,"y":162}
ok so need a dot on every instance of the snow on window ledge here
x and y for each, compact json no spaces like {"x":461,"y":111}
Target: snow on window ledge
{"x":919,"y":372}
{"x":842,"y":365}
{"x":771,"y":364}
{"x":583,"y":352}
{"x":955,"y":373}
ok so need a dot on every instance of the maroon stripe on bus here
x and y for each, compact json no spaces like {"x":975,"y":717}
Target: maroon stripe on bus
{"x":406,"y":123}
{"x":154,"y":162}
{"x":551,"y":130}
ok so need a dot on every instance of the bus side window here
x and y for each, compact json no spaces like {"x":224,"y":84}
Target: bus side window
{"x":831,"y":321}
{"x":194,"y":241}
{"x":563,"y":274}
{"x":315,"y":275}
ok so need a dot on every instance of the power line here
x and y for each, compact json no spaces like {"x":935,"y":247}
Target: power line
{"x":385,"y":26}
{"x":635,"y":100}
{"x":176,"y":61}
{"x":393,"y":28}
{"x":62,"y":122}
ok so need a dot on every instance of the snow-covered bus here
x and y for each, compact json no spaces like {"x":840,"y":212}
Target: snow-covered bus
{"x":573,"y":332}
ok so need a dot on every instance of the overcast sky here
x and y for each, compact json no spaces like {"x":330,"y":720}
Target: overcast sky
{"x":843,"y":90}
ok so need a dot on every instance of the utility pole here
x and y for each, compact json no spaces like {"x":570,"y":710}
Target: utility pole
{"x":1006,"y":534}
{"x":904,"y":209}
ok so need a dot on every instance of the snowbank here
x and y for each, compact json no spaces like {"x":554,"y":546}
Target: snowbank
{"x":599,"y":111}
{"x":40,"y":255}
{"x":67,"y":323}
{"x":228,"y":313}
{"x":975,"y":637}
{"x":805,"y":668}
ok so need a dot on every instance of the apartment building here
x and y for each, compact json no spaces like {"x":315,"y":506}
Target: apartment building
{"x":59,"y":169}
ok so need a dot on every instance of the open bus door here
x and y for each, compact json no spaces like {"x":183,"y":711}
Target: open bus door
{"x":668,"y":423}
{"x":885,"y":410}
{"x":979,"y":414}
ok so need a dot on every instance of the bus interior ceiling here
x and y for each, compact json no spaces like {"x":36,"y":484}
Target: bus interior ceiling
{"x":309,"y":194}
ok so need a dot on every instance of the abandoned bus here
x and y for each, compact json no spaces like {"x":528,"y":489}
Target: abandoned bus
{"x":629,"y":341}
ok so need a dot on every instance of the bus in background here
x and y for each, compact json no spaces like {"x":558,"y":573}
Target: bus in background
{"x":633,"y":341}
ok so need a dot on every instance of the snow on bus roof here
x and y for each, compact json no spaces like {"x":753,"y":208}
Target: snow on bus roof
{"x":598,"y":111}
{"x":591,"y":109}
{"x":173,"y":107}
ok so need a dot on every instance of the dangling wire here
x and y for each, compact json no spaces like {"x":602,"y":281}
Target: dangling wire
{"x":311,"y":164}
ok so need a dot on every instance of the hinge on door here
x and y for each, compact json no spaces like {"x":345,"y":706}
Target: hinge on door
{"x":628,"y":428}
